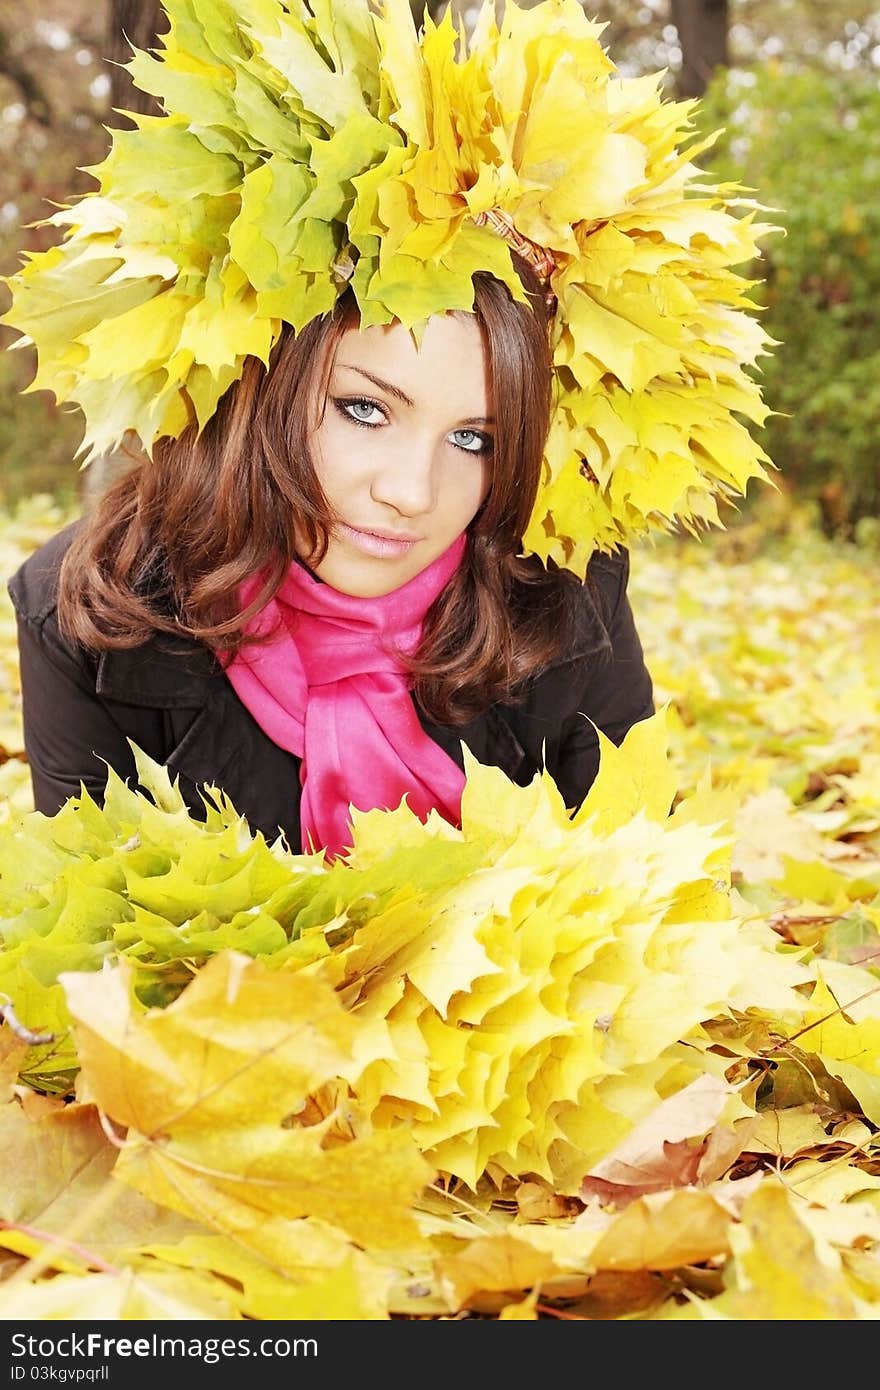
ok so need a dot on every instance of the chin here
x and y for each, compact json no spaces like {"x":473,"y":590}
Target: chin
{"x":366,"y":579}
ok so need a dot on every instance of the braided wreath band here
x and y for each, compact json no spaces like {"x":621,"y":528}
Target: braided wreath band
{"x":306,"y":149}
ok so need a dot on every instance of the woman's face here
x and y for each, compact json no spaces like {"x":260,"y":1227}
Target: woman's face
{"x":402,"y":451}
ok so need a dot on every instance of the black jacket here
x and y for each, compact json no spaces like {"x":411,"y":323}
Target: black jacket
{"x":173,"y":701}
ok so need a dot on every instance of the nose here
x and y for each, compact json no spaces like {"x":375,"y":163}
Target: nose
{"x":404,"y":479}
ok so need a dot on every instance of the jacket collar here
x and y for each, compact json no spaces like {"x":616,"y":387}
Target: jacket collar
{"x":167,"y":672}
{"x":590,"y":636}
{"x":170,"y":672}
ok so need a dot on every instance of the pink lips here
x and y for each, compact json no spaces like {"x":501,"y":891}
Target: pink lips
{"x":371,"y":543}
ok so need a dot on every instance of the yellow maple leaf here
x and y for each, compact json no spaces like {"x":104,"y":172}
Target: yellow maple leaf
{"x":63,"y":1210}
{"x":782,"y":1269}
{"x":493,"y":1265}
{"x":635,"y":777}
{"x":161,"y":1295}
{"x":843,"y":1028}
{"x":208,"y":1091}
{"x":328,"y":1279}
{"x":667,"y":1229}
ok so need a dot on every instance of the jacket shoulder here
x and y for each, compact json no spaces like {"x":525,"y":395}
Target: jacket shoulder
{"x":608,"y":575}
{"x":595,"y":601}
{"x":33,"y":587}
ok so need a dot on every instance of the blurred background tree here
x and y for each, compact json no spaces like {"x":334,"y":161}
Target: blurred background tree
{"x":62,"y":88}
{"x":794,"y":83}
{"x":809,"y":143}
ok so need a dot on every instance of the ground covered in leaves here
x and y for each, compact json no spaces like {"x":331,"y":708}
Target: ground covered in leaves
{"x":625,"y":1066}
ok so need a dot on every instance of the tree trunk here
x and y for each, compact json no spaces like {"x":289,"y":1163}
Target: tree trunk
{"x":702,"y":34}
{"x":130,"y":23}
{"x":435,"y":9}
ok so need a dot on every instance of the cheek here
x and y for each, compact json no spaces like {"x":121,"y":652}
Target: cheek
{"x":476,"y":490}
{"x":333,"y":459}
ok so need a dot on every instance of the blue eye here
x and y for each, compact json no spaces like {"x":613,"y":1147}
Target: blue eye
{"x":362,"y":411}
{"x":472,"y":441}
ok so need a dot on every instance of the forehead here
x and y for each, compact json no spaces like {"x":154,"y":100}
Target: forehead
{"x":447,"y":348}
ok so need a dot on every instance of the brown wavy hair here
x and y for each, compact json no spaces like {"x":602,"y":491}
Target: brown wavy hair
{"x":166,"y":546}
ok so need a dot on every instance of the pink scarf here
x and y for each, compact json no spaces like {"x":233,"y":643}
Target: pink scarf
{"x":328,"y":687}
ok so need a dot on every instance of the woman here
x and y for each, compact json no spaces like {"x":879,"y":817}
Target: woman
{"x":416,"y":329}
{"x":360,"y":465}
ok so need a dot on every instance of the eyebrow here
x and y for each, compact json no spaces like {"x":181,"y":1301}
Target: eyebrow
{"x":378,"y":381}
{"x":399,"y":395}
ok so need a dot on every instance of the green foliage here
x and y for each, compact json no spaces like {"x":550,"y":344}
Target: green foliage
{"x":808,"y":144}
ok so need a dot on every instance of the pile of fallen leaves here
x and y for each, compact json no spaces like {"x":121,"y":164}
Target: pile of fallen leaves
{"x":620,"y":1066}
